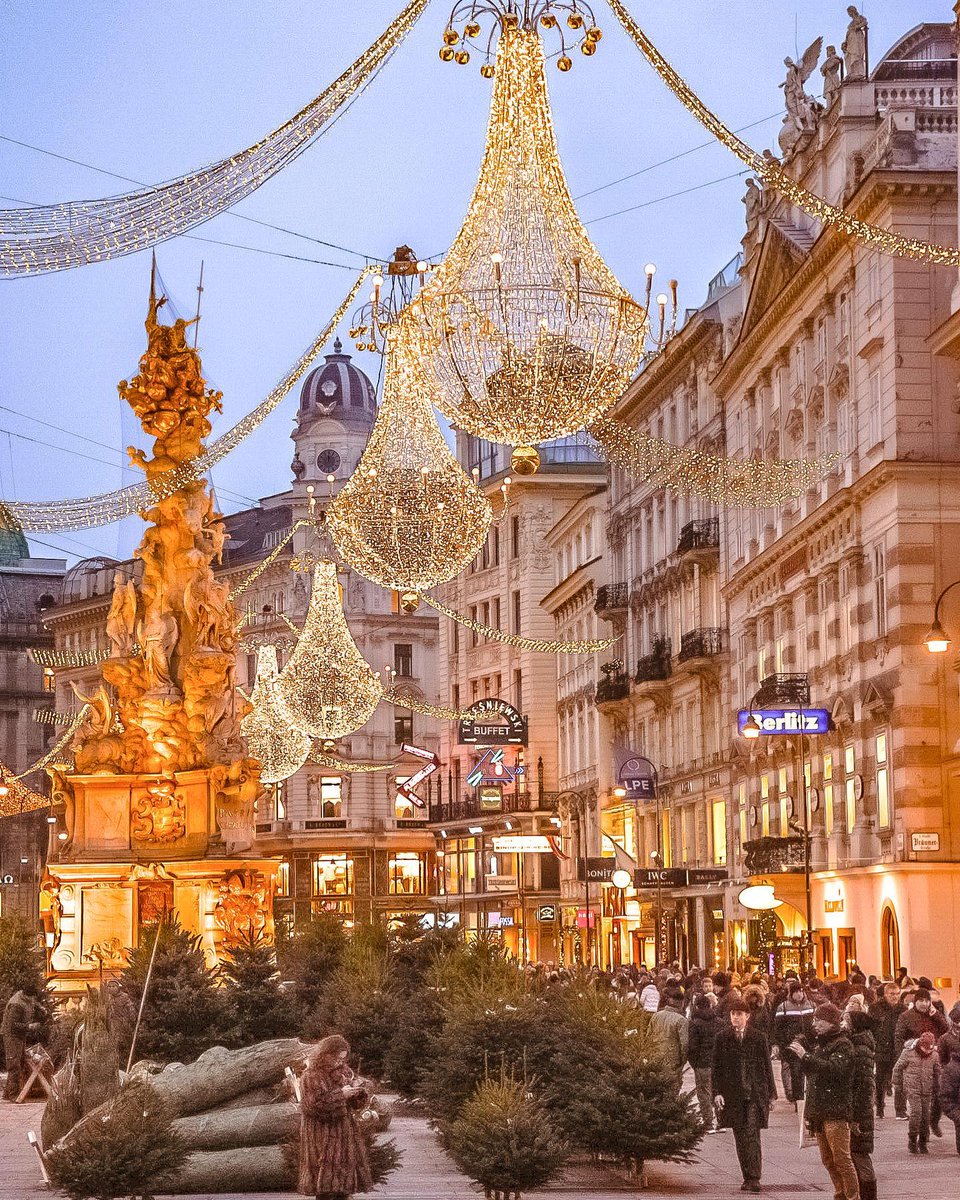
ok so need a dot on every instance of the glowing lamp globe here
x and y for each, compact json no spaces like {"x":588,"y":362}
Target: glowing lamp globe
{"x":621,"y":879}
{"x":759,"y":898}
{"x":936,"y":640}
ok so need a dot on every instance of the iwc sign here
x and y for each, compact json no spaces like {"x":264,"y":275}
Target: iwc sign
{"x":494,"y":722}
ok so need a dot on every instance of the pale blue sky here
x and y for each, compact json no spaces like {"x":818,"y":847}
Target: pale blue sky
{"x":154,"y":88}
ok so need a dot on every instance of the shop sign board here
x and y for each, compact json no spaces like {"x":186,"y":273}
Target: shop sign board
{"x":924,"y":842}
{"x":774,"y":721}
{"x":521,"y":843}
{"x":501,"y":883}
{"x":493,"y":722}
{"x":547,"y":913}
{"x":636,"y":776}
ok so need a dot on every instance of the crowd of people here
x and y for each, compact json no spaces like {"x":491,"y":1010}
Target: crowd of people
{"x":844,"y":1047}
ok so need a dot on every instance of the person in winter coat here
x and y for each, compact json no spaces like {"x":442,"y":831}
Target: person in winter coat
{"x":743,"y":1089}
{"x":650,"y":997}
{"x":22,"y":1026}
{"x":921,"y":1018}
{"x":948,"y":1044}
{"x":917,"y":1071}
{"x":828,"y":1063}
{"x":668,"y":1029}
{"x":702,"y":1034}
{"x":859,"y":1028}
{"x":755,"y":998}
{"x":885,"y":1013}
{"x":333,"y":1154}
{"x":792,"y":1019}
{"x":950,"y":1090}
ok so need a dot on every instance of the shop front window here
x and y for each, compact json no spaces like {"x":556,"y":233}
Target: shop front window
{"x":331,"y":796}
{"x":333,"y":875}
{"x":408,"y":874}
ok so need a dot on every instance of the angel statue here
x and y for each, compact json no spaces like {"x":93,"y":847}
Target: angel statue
{"x":855,"y":45}
{"x":802,"y":110}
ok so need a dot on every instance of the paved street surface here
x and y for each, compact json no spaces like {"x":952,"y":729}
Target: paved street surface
{"x":427,"y":1174}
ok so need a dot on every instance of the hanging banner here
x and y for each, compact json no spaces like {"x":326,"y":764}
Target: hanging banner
{"x":636,"y":775}
{"x":786,"y":720}
{"x":493,"y":722}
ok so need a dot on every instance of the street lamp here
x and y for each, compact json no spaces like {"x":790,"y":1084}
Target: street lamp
{"x":751,"y":727}
{"x":937,"y":641}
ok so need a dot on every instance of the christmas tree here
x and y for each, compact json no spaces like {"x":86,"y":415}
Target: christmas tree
{"x":184,"y":1010}
{"x":504,"y":1139}
{"x":256,"y":1008}
{"x":127,"y":1149}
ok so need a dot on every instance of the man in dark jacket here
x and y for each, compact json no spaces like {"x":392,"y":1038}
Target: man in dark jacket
{"x":884,"y":1014}
{"x":743,"y":1089}
{"x":950,"y":1086}
{"x":859,"y":1028}
{"x":828,"y":1064}
{"x":701,"y":1036}
{"x":22,"y":1025}
{"x":792,"y":1019}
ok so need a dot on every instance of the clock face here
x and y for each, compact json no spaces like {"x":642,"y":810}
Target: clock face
{"x":328,"y":461}
{"x":328,"y":387}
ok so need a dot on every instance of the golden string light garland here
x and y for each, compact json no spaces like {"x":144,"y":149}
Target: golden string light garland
{"x":438,"y":711}
{"x":327,"y":687}
{"x":409,"y":517}
{"x":53,"y":515}
{"x":747,"y":483}
{"x":541,"y":645}
{"x":15,"y":796}
{"x":524,"y":334}
{"x":772,"y":175}
{"x":55,"y":237}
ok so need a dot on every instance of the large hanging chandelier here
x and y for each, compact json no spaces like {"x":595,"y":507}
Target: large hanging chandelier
{"x":327,"y":687}
{"x":524,"y":334}
{"x":409,"y":517}
{"x":272,"y":739}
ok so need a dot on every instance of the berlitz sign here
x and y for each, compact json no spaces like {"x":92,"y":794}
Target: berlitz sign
{"x":786,"y":720}
{"x":493,"y":722}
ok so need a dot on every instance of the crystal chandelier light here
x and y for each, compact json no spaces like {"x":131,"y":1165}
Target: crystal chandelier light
{"x":327,"y":687}
{"x":523,"y":334}
{"x":279,"y":747}
{"x":409,"y":517}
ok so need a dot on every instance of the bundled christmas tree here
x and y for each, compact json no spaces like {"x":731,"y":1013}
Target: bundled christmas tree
{"x":185,"y":1009}
{"x":505,"y":1140}
{"x":128,"y":1148}
{"x":256,"y":1008}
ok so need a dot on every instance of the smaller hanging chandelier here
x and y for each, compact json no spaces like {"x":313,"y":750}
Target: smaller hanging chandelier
{"x":327,"y":688}
{"x":272,"y":739}
{"x":409,"y":517}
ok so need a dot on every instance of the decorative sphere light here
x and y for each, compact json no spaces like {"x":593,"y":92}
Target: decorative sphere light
{"x":575,"y":21}
{"x":594,"y":34}
{"x":564,"y":63}
{"x":487,"y":70}
{"x":650,"y":269}
{"x":662,"y":299}
{"x":621,"y":879}
{"x":462,"y":57}
{"x":525,"y":460}
{"x":450,"y":37}
{"x":588,"y":48}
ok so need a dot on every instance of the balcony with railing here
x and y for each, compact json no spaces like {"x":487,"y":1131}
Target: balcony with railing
{"x":791,"y":687}
{"x":611,"y":598}
{"x":773,"y":855}
{"x":612,"y":688}
{"x":701,"y":643}
{"x":471,"y":808}
{"x":656,"y":666}
{"x":700,"y":535}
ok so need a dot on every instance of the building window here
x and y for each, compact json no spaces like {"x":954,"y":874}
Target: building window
{"x":742,"y":807}
{"x":403,"y":728}
{"x":49,"y":680}
{"x":408,"y":874}
{"x":828,"y":793}
{"x":279,"y":792}
{"x":880,"y":589}
{"x":518,"y":689}
{"x":283,"y":880}
{"x":849,"y":770}
{"x":764,"y":805}
{"x":331,"y":796}
{"x":403,"y":659}
{"x":872,"y":288}
{"x":883,"y":782}
{"x":719,"y":812}
{"x":333,"y":875}
{"x":515,"y":536}
{"x":843,"y":317}
{"x":874,"y":423}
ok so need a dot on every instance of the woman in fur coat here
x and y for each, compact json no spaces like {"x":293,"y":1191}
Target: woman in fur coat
{"x":333,"y":1154}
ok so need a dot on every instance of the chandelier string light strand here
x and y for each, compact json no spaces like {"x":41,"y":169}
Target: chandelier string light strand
{"x":55,"y":237}
{"x":769,"y":171}
{"x":540,"y":645}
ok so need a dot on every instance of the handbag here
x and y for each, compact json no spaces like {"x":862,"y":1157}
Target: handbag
{"x":806,"y":1137}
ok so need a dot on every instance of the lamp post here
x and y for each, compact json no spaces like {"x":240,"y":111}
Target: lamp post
{"x":937,"y":641}
{"x":751,"y":730}
{"x":577,"y":804}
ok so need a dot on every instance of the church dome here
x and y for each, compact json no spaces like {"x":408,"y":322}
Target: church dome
{"x":339,"y":390}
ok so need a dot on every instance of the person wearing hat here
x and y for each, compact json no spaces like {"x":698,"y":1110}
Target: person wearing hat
{"x":918,"y":1073}
{"x":743,"y":1089}
{"x":859,"y":1027}
{"x":948,"y":1049}
{"x":921,"y":1018}
{"x":792,"y":1019}
{"x":828,"y":1064}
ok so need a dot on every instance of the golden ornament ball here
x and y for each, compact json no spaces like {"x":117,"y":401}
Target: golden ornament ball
{"x":525,"y":460}
{"x":409,"y":602}
{"x":511,"y":21}
{"x":575,"y":21}
{"x":472,"y":29}
{"x":548,"y":21}
{"x":487,"y":70}
{"x":446,"y":54}
{"x":462,"y":57}
{"x":450,"y":37}
{"x":588,"y":48}
{"x":594,"y":34}
{"x":564,"y":63}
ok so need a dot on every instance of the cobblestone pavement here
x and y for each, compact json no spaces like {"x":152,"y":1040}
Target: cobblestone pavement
{"x":427,"y":1174}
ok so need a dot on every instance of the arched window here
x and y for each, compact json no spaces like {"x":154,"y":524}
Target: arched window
{"x":889,"y":942}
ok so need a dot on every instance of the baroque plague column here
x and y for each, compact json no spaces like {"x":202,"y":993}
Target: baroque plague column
{"x":158,"y":809}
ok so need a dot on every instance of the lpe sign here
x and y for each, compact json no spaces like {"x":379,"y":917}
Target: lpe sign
{"x":786,"y":720}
